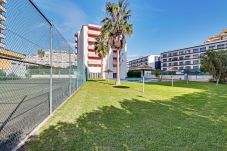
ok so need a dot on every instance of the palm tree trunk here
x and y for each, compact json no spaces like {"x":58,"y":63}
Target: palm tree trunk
{"x":118,"y":80}
{"x":101,"y":68}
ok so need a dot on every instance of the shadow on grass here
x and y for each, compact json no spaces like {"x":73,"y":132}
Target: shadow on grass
{"x":186,"y":122}
{"x":121,"y":87}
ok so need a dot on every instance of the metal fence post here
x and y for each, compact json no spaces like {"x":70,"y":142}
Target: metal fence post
{"x":70,"y":64}
{"x":51,"y":69}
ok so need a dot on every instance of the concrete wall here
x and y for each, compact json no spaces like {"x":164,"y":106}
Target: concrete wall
{"x":204,"y":78}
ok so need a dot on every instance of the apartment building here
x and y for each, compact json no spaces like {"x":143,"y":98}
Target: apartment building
{"x":150,"y":60}
{"x":2,"y":20}
{"x":221,"y":36}
{"x":85,"y":43}
{"x":62,"y":59}
{"x":188,"y":58}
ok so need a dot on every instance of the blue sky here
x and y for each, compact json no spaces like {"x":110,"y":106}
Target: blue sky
{"x":159,"y":25}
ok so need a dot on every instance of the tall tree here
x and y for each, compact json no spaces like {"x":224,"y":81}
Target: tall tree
{"x":215,"y":62}
{"x":117,"y":28}
{"x":101,"y":49}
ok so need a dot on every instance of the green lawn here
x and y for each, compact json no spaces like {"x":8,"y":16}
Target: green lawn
{"x":103,"y":117}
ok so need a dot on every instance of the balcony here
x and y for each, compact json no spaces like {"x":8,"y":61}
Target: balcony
{"x":2,"y":27}
{"x":92,"y":54}
{"x":2,"y":18}
{"x":93,"y":32}
{"x":93,"y":40}
{"x":2,"y":1}
{"x":94,"y":62}
{"x":2,"y":45}
{"x":2,"y":36}
{"x":2,"y":9}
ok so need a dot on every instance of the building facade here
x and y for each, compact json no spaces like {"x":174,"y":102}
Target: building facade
{"x":151,"y":60}
{"x":61,"y":59}
{"x":2,"y":20}
{"x":91,"y":62}
{"x":189,"y":58}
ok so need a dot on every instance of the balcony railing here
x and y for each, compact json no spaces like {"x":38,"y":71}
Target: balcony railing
{"x":2,"y":9}
{"x":2,"y":1}
{"x":2,"y":18}
{"x":2,"y":36}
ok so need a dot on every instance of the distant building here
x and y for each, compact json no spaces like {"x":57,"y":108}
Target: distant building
{"x":85,"y":42}
{"x":151,"y":60}
{"x":189,"y":58}
{"x":221,"y":36}
{"x":2,"y":19}
{"x":59,"y":59}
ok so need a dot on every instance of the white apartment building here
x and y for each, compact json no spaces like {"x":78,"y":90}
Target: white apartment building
{"x":91,"y":62}
{"x":188,"y":58}
{"x":149,"y":60}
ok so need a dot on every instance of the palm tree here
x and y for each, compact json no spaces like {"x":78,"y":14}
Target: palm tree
{"x":117,"y":28}
{"x":101,"y":49}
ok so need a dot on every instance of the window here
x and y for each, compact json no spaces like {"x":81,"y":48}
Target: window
{"x":181,"y":52}
{"x":175,"y":64}
{"x":195,"y":67}
{"x":181,"y":63}
{"x":187,"y":62}
{"x":175,"y":59}
{"x":164,"y":55}
{"x":211,"y":47}
{"x":169,"y":55}
{"x":181,"y":58}
{"x":195,"y":61}
{"x":181,"y":68}
{"x":187,"y":51}
{"x":222,"y":46}
{"x":188,"y":67}
{"x":187,"y":57}
{"x":164,"y":60}
{"x":196,"y":56}
{"x":175,"y":54}
{"x":195,"y":50}
{"x":170,"y":59}
{"x":169,"y":64}
{"x":203,"y":49}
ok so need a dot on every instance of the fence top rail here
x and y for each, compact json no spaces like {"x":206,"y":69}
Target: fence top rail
{"x":21,"y":60}
{"x":41,"y":13}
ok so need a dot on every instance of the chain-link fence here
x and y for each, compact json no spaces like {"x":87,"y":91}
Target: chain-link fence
{"x":38,"y":70}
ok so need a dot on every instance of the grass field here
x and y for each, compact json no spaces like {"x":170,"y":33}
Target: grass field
{"x":104,"y":117}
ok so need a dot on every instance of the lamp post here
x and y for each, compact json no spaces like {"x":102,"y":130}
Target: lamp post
{"x":172,"y":69}
{"x":142,"y":68}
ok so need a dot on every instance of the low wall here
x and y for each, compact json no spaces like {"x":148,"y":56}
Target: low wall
{"x":204,"y":78}
{"x":54,"y":76}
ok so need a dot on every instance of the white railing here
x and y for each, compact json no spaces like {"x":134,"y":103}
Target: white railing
{"x":94,"y":62}
{"x":2,"y":27}
{"x":91,"y":39}
{"x":93,"y":32}
{"x":2,"y":36}
{"x":2,"y":18}
{"x":2,"y":9}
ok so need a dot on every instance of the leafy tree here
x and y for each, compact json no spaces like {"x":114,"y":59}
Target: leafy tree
{"x":157,"y":73}
{"x":41,"y":53}
{"x":117,"y":28}
{"x":215,"y":62}
{"x":133,"y":74}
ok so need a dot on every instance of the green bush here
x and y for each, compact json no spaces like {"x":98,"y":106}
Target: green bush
{"x":134,"y":74}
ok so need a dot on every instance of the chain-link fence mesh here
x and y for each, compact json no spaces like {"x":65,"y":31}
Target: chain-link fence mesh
{"x":38,"y":70}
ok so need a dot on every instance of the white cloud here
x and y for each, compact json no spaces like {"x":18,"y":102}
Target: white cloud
{"x":69,"y":16}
